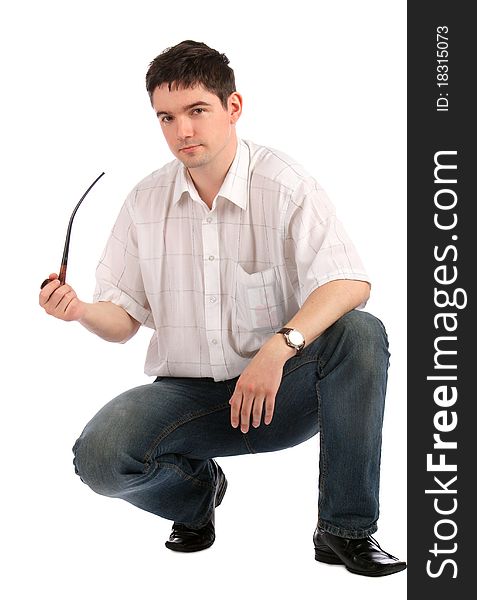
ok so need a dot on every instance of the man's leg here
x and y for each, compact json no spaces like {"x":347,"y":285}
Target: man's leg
{"x":345,"y":372}
{"x":337,"y":386}
{"x":151,"y":446}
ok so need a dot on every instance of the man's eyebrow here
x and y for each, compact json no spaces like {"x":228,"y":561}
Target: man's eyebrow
{"x":184,"y":108}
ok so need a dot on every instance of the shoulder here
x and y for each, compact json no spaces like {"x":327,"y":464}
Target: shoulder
{"x":164,"y":177}
{"x":278,"y":169}
{"x":160,"y":185}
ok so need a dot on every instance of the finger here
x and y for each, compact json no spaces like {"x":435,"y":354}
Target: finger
{"x":269,"y":409}
{"x":247,"y":403}
{"x":65,"y":301}
{"x":59,"y":294}
{"x":51,"y":277}
{"x":47,"y":291}
{"x":257,"y":411}
{"x":235,"y":405}
{"x":51,"y":305}
{"x":72,"y":303}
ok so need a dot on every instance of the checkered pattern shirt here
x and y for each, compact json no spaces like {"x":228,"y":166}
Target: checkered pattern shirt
{"x":215,"y":284}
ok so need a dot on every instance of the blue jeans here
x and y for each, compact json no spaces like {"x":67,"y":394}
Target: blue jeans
{"x":152,"y":445}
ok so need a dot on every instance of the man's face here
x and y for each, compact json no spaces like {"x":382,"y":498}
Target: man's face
{"x":196,"y":126}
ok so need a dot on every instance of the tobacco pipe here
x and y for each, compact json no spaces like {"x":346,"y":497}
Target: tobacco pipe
{"x":64,"y":260}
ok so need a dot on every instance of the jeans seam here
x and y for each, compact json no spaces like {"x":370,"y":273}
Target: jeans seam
{"x":195,"y":481}
{"x":249,"y":446}
{"x":228,"y":388}
{"x":173,"y":426}
{"x":244,"y":435}
{"x":301,"y":364}
{"x":323,"y":469}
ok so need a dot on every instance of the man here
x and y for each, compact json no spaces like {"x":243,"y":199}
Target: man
{"x":233,"y":255}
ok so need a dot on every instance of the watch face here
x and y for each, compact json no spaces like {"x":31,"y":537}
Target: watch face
{"x":295,"y":337}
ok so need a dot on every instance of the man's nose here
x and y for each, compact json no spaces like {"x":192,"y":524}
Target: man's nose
{"x":184,"y":128}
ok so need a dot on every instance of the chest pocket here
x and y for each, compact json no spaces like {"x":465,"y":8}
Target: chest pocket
{"x":260,"y":302}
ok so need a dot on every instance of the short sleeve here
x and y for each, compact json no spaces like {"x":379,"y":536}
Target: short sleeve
{"x":118,"y":274}
{"x":317,"y":247}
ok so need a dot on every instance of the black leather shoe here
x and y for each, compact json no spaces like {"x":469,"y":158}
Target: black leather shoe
{"x":185,"y":539}
{"x":363,"y":556}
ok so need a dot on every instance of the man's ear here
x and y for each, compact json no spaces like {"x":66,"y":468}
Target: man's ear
{"x":235,"y":107}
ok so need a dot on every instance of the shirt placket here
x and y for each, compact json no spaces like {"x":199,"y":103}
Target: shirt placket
{"x":210,"y":240}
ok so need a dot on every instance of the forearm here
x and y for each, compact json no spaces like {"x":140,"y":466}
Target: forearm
{"x":109,"y":321}
{"x":327,"y":304}
{"x":322,"y":308}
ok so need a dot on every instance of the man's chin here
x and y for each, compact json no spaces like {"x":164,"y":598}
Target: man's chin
{"x":193,"y":162}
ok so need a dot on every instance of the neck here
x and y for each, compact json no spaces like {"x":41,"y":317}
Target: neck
{"x":209,"y":178}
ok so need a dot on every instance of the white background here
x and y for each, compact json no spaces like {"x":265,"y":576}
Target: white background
{"x":322,"y":81}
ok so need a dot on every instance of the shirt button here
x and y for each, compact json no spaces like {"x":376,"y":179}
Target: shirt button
{"x":209,"y":220}
{"x":212,"y":300}
{"x":211,"y":257}
{"x":214,"y":341}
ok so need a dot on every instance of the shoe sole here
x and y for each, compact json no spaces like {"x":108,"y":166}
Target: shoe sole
{"x":187,"y":549}
{"x":325,"y":555}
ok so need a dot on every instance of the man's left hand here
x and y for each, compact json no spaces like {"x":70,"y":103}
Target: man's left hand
{"x":257,"y":387}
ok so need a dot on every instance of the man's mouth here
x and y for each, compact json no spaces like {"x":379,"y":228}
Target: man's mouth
{"x":189,"y":148}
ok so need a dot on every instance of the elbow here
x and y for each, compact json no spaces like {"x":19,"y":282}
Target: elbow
{"x":123,"y":334}
{"x":126,"y":337}
{"x":358,"y":293}
{"x":364,"y":293}
{"x":115,"y":339}
{"x":128,"y":327}
{"x":131,"y":332}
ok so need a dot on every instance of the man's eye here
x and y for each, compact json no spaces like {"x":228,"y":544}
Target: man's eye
{"x":200,"y":110}
{"x":165,"y":119}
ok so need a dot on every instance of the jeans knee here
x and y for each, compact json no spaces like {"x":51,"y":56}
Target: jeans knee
{"x":86,"y":461}
{"x":367,"y":334}
{"x":109,"y":454}
{"x":97,"y":462}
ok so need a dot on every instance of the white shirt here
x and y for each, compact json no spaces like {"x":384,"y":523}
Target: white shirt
{"x":216,"y":284}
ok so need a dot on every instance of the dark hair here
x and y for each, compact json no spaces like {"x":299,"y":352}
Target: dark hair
{"x":189,"y":64}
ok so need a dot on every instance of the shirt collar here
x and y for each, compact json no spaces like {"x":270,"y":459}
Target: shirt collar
{"x":235,"y":184}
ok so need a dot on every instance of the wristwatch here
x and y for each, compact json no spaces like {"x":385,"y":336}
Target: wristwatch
{"x":293,"y":338}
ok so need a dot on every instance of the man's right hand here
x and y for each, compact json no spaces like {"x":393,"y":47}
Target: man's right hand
{"x":106,"y":319}
{"x":61,"y":301}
